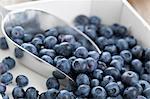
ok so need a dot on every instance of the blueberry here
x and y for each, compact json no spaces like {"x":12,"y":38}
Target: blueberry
{"x":119,"y":58}
{"x":63,"y":65}
{"x":101,"y":65}
{"x":42,"y":96}
{"x":101,"y":42}
{"x":129,"y":78}
{"x":117,"y":97}
{"x":51,"y":32}
{"x":111,"y":48}
{"x":145,"y":77}
{"x":136,"y":65}
{"x":105,"y":57}
{"x":91,"y":64}
{"x":126,"y":55}
{"x":30,"y":47}
{"x":2,"y":88}
{"x":52,"y":83}
{"x":64,"y":49}
{"x":80,"y":27}
{"x":17,"y":32}
{"x":106,"y":31}
{"x":90,"y":32}
{"x":68,"y":38}
{"x":137,"y":51}
{"x":6,"y":78}
{"x":122,"y":44}
{"x":81,"y":52}
{"x":113,"y":72}
{"x":146,"y":92}
{"x":3,"y":68}
{"x":47,"y":59}
{"x":112,"y":89}
{"x":98,"y":74}
{"x":122,"y":30}
{"x":79,"y":65}
{"x":18,"y":53}
{"x":58,"y":58}
{"x":40,"y":36}
{"x":58,"y":75}
{"x":18,"y":41}
{"x":27,"y":37}
{"x":48,"y":52}
{"x":10,"y":62}
{"x":121,"y":86}
{"x":51,"y":94}
{"x":31,"y":93}
{"x":130,"y":93}
{"x":147,"y":54}
{"x":64,"y":94}
{"x":139,"y":88}
{"x":98,"y":92}
{"x":3,"y":43}
{"x":107,"y":79}
{"x":141,"y":97}
{"x":83,"y":91}
{"x":82,"y":79}
{"x":117,"y":64}
{"x":131,"y":41}
{"x":22,"y":81}
{"x":50,"y":42}
{"x":144,"y":84}
{"x":81,"y":20}
{"x":95,"y":82}
{"x":95,"y":20}
{"x":37,"y":42}
{"x":147,"y":67}
{"x":95,"y":55}
{"x":18,"y":93}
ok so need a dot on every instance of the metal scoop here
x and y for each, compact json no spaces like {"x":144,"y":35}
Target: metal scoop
{"x":37,"y":21}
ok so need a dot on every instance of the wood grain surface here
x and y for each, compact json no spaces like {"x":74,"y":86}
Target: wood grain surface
{"x":142,"y":7}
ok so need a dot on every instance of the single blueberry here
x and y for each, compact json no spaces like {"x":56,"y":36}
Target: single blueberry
{"x":51,"y":32}
{"x":79,"y":65}
{"x":17,"y":32}
{"x":50,"y":42}
{"x":106,"y":31}
{"x":83,"y":91}
{"x":91,"y":64}
{"x":126,"y":55}
{"x":18,"y":53}
{"x":129,"y":78}
{"x":51,"y":94}
{"x":90,"y":32}
{"x":63,"y":65}
{"x":10,"y":62}
{"x":52,"y":83}
{"x":47,"y":59}
{"x":119,"y":58}
{"x":98,"y":74}
{"x":82,"y":79}
{"x":111,"y":48}
{"x":81,"y":20}
{"x":130,"y":93}
{"x":101,"y":42}
{"x":136,"y":65}
{"x":40,"y":36}
{"x":30,"y":47}
{"x":68,"y":38}
{"x":37,"y":42}
{"x":42,"y":96}
{"x":98,"y":92}
{"x":27,"y":37}
{"x":137,"y":51}
{"x":3,"y":43}
{"x":57,"y":58}
{"x":122,"y":44}
{"x":31,"y":93}
{"x":107,"y":79}
{"x":6,"y":78}
{"x":18,"y":93}
{"x":117,"y":64}
{"x":95,"y":82}
{"x":139,"y":88}
{"x":131,"y":41}
{"x":64,"y":94}
{"x":95,"y":20}
{"x":3,"y":68}
{"x":2,"y":88}
{"x":105,"y":57}
{"x":22,"y":81}
{"x":112,"y":89}
{"x":80,"y":27}
{"x":81,"y":52}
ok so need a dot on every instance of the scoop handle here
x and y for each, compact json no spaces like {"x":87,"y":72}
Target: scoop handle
{"x":3,"y":11}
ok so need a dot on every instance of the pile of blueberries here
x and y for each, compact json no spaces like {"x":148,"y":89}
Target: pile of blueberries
{"x":121,"y":71}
